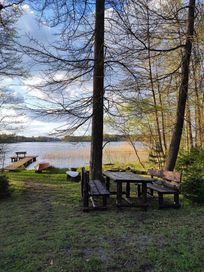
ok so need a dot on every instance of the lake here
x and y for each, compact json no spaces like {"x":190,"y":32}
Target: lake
{"x":74,"y":154}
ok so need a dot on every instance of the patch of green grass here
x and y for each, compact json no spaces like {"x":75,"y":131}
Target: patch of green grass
{"x":43,"y":228}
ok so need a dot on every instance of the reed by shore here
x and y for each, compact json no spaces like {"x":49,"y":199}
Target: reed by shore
{"x":123,"y":153}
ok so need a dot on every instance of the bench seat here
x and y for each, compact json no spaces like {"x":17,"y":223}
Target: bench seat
{"x":98,"y":188}
{"x":161,"y":189}
{"x":166,"y":182}
{"x":91,"y":189}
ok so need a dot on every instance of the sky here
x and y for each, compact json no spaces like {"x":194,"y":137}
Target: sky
{"x":18,"y":88}
{"x":34,"y":124}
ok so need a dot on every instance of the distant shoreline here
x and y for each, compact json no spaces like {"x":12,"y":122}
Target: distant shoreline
{"x":5,"y":139}
{"x":58,"y":141}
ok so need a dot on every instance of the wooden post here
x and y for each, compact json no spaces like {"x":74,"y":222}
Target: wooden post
{"x":119,"y":193}
{"x":82,"y":181}
{"x":144,"y":193}
{"x":161,"y":200}
{"x":127,"y":189}
{"x":86,"y":192}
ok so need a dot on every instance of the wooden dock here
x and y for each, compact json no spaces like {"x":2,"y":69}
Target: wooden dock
{"x":20,"y":163}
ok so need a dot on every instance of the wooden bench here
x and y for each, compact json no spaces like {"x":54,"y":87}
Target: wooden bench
{"x":21,"y":153}
{"x":169,"y":183}
{"x":90,"y":189}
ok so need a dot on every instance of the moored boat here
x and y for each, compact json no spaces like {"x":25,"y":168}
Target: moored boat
{"x":73,"y":175}
{"x":41,"y":166}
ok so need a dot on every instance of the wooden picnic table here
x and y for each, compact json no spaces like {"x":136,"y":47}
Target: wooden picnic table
{"x":127,"y":177}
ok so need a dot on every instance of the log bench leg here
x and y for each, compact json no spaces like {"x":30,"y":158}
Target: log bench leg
{"x":82,"y":182}
{"x":85,"y":194}
{"x":144,"y":195}
{"x":85,"y":202}
{"x":108,"y":183}
{"x":104,"y":201}
{"x":176,"y":200}
{"x":162,"y":205}
{"x":160,"y":200}
{"x":119,"y":193}
{"x":107,"y":180}
{"x":127,"y":189}
{"x":139,"y":193}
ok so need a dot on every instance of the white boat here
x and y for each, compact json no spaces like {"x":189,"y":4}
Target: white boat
{"x":72,"y":174}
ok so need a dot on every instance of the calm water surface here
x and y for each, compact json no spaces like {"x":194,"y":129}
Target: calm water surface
{"x":64,"y":154}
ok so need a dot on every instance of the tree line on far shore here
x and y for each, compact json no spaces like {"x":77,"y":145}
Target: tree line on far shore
{"x":12,"y":138}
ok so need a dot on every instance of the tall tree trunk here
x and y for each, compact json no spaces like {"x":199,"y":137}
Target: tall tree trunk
{"x":98,"y":93}
{"x":183,"y":92}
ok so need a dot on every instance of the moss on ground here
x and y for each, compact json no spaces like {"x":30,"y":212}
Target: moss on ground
{"x":43,"y":228}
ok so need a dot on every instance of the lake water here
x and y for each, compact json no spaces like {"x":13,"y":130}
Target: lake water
{"x":66,"y":154}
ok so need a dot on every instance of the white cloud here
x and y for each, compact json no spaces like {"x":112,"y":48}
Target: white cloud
{"x":72,"y":91}
{"x":26,"y":8}
{"x":42,"y":128}
{"x":29,"y":87}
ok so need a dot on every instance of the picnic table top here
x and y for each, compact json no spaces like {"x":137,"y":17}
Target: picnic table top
{"x":126,"y":176}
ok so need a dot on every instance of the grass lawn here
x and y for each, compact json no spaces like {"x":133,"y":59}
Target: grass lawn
{"x":43,"y":228}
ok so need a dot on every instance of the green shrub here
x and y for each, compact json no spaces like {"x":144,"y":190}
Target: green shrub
{"x":192,"y":166}
{"x":193,"y":187}
{"x":4,"y":187}
{"x":191,"y":160}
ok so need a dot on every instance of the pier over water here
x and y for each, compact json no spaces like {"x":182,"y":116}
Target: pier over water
{"x":21,"y":160}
